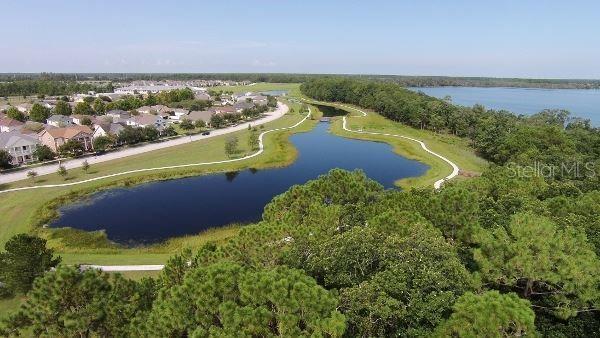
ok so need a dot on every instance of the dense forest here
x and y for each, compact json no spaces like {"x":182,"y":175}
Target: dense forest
{"x":407,"y":81}
{"x":495,"y":256}
{"x":508,"y":254}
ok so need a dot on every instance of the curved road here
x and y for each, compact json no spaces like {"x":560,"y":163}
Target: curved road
{"x":283,"y":108}
{"x":76,"y":163}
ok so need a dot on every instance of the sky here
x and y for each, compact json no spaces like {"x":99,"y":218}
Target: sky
{"x":526,"y":38}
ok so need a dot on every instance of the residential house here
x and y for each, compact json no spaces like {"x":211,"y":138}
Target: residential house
{"x":112,"y":96}
{"x":79,"y":119}
{"x":118,"y":115}
{"x":20,"y":147}
{"x":200,"y":95}
{"x":156,"y":109}
{"x":145,"y":120}
{"x":178,"y":114}
{"x":204,"y":115}
{"x":59,"y":120}
{"x":240,"y":106}
{"x":222,"y":110}
{"x":258,"y":99}
{"x":79,"y":97}
{"x":24,"y":107}
{"x":107,"y":129}
{"x":7,"y":124}
{"x":56,"y":137}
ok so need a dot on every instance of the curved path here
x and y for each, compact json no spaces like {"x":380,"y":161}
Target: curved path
{"x":438,"y":183}
{"x":124,"y":268}
{"x":139,"y":149}
{"x":260,"y":151}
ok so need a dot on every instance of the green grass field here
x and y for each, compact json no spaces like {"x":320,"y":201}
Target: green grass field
{"x":293,"y":88}
{"x":454,"y":148}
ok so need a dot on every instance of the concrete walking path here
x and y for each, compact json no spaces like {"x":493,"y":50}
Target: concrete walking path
{"x":438,"y":183}
{"x":260,"y":151}
{"x":135,"y":150}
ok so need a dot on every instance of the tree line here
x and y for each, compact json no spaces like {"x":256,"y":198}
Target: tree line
{"x":409,"y":81}
{"x":50,"y":87}
{"x":495,"y":256}
{"x":551,"y":137}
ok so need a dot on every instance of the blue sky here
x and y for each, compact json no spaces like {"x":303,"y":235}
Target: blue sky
{"x":549,"y":39}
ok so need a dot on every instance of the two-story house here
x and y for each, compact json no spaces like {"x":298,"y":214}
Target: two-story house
{"x":56,"y":137}
{"x":20,"y":147}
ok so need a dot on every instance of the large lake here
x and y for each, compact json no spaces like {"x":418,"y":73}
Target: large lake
{"x":153,"y":212}
{"x":580,"y":102}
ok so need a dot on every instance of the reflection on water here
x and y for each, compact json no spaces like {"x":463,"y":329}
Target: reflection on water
{"x":153,"y":212}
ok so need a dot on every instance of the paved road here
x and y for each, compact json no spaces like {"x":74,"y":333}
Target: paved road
{"x":260,"y":151}
{"x":76,"y":163}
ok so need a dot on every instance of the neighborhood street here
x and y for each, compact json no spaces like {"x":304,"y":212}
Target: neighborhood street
{"x":129,"y":151}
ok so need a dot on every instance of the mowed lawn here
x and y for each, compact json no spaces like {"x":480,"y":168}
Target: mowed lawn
{"x":292,"y":88}
{"x":19,"y":208}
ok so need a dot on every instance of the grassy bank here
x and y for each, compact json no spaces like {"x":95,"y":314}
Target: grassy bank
{"x":454,"y":148}
{"x":292,"y":88}
{"x":26,"y":211}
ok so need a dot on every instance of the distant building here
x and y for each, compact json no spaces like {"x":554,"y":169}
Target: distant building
{"x":20,"y":147}
{"x":7,"y":124}
{"x":132,"y":90}
{"x":145,"y":120}
{"x":59,"y":120}
{"x":118,"y":115}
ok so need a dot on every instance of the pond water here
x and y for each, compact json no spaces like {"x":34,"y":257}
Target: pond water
{"x":583,"y":103}
{"x":153,"y":212}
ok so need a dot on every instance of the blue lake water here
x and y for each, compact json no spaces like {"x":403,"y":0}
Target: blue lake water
{"x":583,"y":103}
{"x":153,"y":212}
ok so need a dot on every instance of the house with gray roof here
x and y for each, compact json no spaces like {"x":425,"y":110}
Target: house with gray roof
{"x":20,"y":147}
{"x":204,"y":115}
{"x":108,"y":129}
{"x":145,"y":120}
{"x":118,"y":115}
{"x":59,"y":120}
